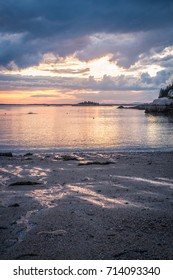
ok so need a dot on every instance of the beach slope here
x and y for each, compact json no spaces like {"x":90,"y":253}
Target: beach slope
{"x":86,"y":206}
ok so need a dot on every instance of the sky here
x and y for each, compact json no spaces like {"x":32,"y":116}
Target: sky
{"x":68,"y":51}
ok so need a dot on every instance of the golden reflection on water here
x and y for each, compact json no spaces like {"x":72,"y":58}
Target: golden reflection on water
{"x":152,"y":129}
{"x":47,"y":127}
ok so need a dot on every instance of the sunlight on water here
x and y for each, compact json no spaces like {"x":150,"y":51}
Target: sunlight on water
{"x":63,"y":128}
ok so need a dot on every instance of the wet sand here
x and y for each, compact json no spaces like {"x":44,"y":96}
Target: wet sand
{"x":86,"y":206}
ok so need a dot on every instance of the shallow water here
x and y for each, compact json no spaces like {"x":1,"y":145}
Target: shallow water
{"x":54,"y":128}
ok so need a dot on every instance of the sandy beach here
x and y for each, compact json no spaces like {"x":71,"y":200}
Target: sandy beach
{"x":70,"y":206}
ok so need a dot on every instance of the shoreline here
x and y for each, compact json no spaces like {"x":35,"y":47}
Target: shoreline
{"x":87,"y":205}
{"x":88,"y":150}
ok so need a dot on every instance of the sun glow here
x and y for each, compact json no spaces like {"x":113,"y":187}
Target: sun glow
{"x":71,"y":79}
{"x":103,"y":66}
{"x":70,"y":67}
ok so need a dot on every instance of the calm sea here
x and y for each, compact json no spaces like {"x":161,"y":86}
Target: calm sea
{"x":52,"y":128}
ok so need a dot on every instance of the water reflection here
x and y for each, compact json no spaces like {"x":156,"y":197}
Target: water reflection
{"x":159,"y":129}
{"x":68,"y":127}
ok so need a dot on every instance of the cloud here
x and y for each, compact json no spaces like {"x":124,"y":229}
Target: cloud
{"x":69,"y":71}
{"x":160,"y":80}
{"x":43,"y":95}
{"x":118,"y":96}
{"x":29,"y":29}
{"x":107,"y":83}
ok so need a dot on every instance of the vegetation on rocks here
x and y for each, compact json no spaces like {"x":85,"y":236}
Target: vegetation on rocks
{"x":164,"y":91}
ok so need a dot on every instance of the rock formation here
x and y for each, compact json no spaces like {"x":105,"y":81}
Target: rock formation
{"x":160,"y":105}
{"x":170,"y":93}
{"x":163,"y":104}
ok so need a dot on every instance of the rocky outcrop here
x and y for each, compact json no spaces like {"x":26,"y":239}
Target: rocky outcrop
{"x":160,"y":105}
{"x":170,"y":93}
{"x":6,"y":154}
{"x":138,"y":107}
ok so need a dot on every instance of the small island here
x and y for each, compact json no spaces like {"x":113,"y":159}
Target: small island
{"x":87,"y":103}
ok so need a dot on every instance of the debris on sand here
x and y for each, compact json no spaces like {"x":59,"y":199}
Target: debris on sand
{"x":6,"y":154}
{"x":69,"y":157}
{"x":95,"y":162}
{"x":25,"y":183}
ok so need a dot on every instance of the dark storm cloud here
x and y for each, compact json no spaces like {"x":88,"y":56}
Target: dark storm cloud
{"x":49,"y":16}
{"x":30,"y":28}
{"x":160,"y":79}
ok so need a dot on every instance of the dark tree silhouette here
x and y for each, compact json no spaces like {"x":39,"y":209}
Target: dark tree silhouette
{"x":164,"y":91}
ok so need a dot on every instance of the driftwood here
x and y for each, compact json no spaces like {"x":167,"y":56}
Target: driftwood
{"x":25,"y":183}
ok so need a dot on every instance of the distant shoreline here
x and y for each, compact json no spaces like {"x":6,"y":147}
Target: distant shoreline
{"x":59,"y":105}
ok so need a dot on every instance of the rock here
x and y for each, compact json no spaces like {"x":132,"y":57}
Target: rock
{"x":170,"y":93}
{"x":14,"y":205}
{"x":138,"y":107}
{"x":160,"y":105}
{"x":68,"y":157}
{"x":6,"y":154}
{"x":141,"y":106}
{"x":28,"y":154}
{"x":86,"y":179}
{"x":164,"y":101}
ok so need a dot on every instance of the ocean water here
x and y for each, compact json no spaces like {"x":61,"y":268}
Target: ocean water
{"x":68,"y":128}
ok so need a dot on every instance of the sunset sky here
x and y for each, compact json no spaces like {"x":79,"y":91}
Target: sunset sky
{"x":68,"y":51}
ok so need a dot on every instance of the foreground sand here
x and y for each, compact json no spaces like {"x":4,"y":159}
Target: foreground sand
{"x":86,"y":206}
